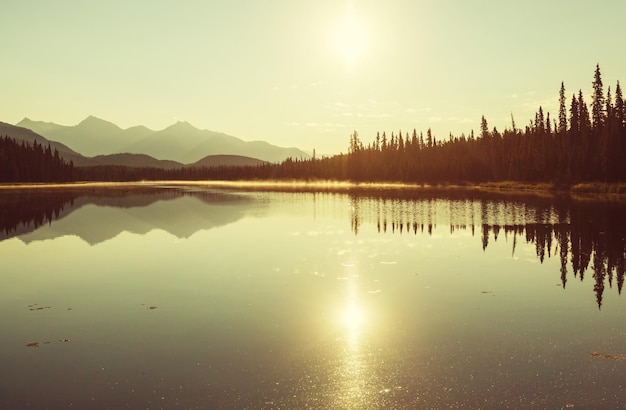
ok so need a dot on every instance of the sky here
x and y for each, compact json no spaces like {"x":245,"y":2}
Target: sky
{"x":304,"y":73}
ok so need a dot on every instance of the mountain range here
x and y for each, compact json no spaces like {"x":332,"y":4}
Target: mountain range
{"x":98,"y":142}
{"x":97,"y":217}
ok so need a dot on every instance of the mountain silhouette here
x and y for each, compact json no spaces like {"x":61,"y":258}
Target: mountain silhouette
{"x":226,"y":160}
{"x":90,"y":137}
{"x":122,"y":159}
{"x":134,"y":160}
{"x":180,"y":142}
{"x":99,"y":215}
{"x":24,"y":134}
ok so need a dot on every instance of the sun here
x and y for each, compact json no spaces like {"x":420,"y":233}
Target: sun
{"x":350,"y":40}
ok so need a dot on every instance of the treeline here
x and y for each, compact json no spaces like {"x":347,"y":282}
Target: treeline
{"x":584,"y":143}
{"x":26,"y":162}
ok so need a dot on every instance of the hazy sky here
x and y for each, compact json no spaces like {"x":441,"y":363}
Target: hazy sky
{"x":304,"y":73}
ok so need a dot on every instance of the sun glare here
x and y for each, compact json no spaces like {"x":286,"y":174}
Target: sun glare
{"x":350,"y":40}
{"x":352,"y":317}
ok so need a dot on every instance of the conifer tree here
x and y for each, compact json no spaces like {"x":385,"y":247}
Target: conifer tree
{"x":619,"y":106}
{"x":562,"y":111}
{"x":574,"y":120}
{"x":597,"y":104}
{"x":484,"y":128}
{"x":583,"y":113}
{"x":540,"y":122}
{"x":609,"y":107}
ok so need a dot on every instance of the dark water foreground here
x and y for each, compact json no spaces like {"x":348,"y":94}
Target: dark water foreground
{"x":206,"y":298}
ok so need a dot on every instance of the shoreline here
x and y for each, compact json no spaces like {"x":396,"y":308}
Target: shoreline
{"x":591,"y":190}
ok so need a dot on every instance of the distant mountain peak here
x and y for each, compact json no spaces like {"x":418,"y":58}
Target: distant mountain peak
{"x":94,"y":119}
{"x":98,"y":123}
{"x":181,"y":126}
{"x":27,"y":120}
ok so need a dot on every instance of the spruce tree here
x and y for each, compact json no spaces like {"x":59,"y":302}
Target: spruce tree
{"x":619,"y":107}
{"x":562,"y":110}
{"x":597,"y":105}
{"x":574,"y":121}
{"x":484,"y":128}
{"x":583,"y":113}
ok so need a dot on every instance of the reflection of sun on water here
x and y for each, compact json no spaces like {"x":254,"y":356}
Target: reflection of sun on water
{"x":352,"y":318}
{"x":353,"y":373}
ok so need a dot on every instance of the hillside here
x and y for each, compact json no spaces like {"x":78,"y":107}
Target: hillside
{"x":133,"y":160}
{"x":226,"y":160}
{"x":23,"y":134}
{"x":90,"y":137}
{"x":121,"y":159}
{"x":180,"y":142}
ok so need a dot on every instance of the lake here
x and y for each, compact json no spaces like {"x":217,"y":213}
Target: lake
{"x":204,"y":297}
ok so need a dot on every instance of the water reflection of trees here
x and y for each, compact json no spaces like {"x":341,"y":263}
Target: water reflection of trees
{"x":588,"y":237}
{"x":23,"y":210}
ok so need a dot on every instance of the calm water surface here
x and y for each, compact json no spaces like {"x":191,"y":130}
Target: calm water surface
{"x":206,"y":298}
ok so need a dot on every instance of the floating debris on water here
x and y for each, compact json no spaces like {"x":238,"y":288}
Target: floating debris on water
{"x":486,"y":291}
{"x":597,"y":355}
{"x":35,"y":307}
{"x":37,"y":344}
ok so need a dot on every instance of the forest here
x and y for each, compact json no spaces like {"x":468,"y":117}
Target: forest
{"x":26,"y":162}
{"x":582,"y":143}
